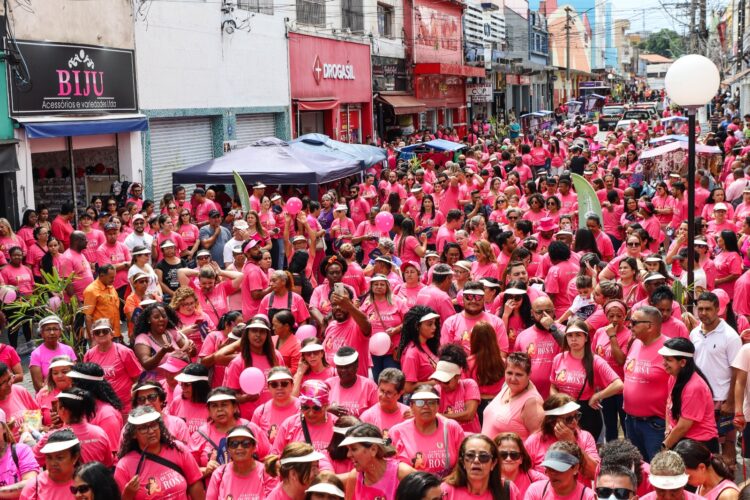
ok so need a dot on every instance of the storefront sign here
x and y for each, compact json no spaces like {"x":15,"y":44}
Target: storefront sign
{"x":438,"y":32}
{"x":479,"y":92}
{"x":73,"y":79}
{"x":332,"y":71}
{"x":388,"y":73}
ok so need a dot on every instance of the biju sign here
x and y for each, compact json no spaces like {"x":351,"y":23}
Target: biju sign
{"x":73,"y":79}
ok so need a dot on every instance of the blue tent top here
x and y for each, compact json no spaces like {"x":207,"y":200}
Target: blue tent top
{"x":674,"y":119}
{"x":437,"y":144}
{"x":271,"y":161}
{"x":320,"y":143}
{"x":681,"y":138}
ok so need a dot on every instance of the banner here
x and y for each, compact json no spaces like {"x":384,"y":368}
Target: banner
{"x":588,"y":202}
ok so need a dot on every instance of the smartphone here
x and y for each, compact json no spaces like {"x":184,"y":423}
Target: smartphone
{"x":277,"y":209}
{"x":53,"y":405}
{"x":338,"y":289}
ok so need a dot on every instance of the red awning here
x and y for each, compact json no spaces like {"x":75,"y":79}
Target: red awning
{"x":316,"y":104}
{"x":403,"y":104}
{"x":449,"y":69}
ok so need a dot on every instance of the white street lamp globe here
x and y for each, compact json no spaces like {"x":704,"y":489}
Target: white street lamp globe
{"x":692,"y":81}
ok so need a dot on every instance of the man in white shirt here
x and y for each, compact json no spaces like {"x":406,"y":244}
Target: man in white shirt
{"x":139,"y":236}
{"x":238,"y":237}
{"x":716,"y":347}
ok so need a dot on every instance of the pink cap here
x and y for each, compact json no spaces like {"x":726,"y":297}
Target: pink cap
{"x":723,"y":300}
{"x":173,"y":365}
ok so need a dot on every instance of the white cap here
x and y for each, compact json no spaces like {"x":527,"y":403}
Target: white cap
{"x":312,"y":347}
{"x":378,"y":277}
{"x":364,"y":439}
{"x":145,"y":251}
{"x":52,"y":318}
{"x":340,"y":208}
{"x":60,"y":363}
{"x":445,"y":371}
{"x":147,"y":302}
{"x":655,"y":276}
{"x":298,"y":238}
{"x":668,"y":482}
{"x":146,"y":418}
{"x":345,"y":360}
{"x":257,"y":323}
{"x":666,"y":351}
{"x":568,"y":407}
{"x":259,"y":185}
{"x":241,"y":433}
{"x":310,"y":457}
{"x":515,"y":291}
{"x":141,"y":275}
{"x":424,"y":395}
{"x":83,"y":376}
{"x":167,"y":244}
{"x":218,"y":397}
{"x":576,"y":328}
{"x":279,"y":375}
{"x":67,"y":395}
{"x":59,"y":446}
{"x":138,"y":217}
{"x":326,"y":489}
{"x":145,"y":388}
{"x":720,"y":206}
{"x":101,"y":324}
{"x":489,"y":284}
{"x":187,"y":378}
{"x":240,"y":224}
{"x":473,"y":291}
{"x":428,"y":317}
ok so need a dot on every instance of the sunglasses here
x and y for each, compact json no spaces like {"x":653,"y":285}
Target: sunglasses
{"x":513,"y":455}
{"x":472,"y":297}
{"x":245,"y":443}
{"x":172,"y":207}
{"x":185,"y":215}
{"x":571,"y":418}
{"x":633,"y":244}
{"x":512,"y":218}
{"x":75,"y":490}
{"x":483,"y":457}
{"x":619,"y":493}
{"x":278,"y":383}
{"x":419,"y":403}
{"x":308,"y":408}
{"x":100,"y":333}
{"x":150,"y":398}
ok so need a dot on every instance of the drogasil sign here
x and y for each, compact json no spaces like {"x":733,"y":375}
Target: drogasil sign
{"x":325,"y":71}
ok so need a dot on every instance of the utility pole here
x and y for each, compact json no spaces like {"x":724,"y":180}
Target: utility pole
{"x":568,"y":27}
{"x":740,"y":35}
{"x":691,"y":29}
{"x":702,"y":31}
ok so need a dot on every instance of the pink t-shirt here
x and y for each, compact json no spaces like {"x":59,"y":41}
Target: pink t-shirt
{"x":44,"y":398}
{"x":20,"y":277}
{"x":569,"y":376}
{"x":455,"y":402}
{"x":686,"y":496}
{"x":537,"y":445}
{"x":9,"y":356}
{"x":268,"y":416}
{"x":115,"y":254}
{"x":110,"y":420}
{"x":42,"y":356}
{"x":500,"y":417}
{"x":94,"y":239}
{"x":418,"y":364}
{"x":674,"y":328}
{"x":462,"y":493}
{"x":77,"y":264}
{"x":34,"y":258}
{"x":407,"y":252}
{"x":202,"y":449}
{"x":457,"y":329}
{"x":542,"y":490}
{"x":291,"y":430}
{"x":15,"y":405}
{"x":9,"y":473}
{"x":697,"y":405}
{"x":121,"y":367}
{"x":727,"y":263}
{"x":542,"y":348}
{"x":255,"y":279}
{"x":602,"y":346}
{"x":645,"y":382}
{"x":525,"y":479}
{"x":347,"y":334}
{"x":156,"y":480}
{"x":436,"y":453}
{"x":94,"y":444}
{"x":189,"y":233}
{"x":409,"y":294}
{"x":438,"y":300}
{"x":225,"y":483}
{"x":357,"y":398}
{"x":44,"y":488}
{"x":232,"y":380}
{"x":384,"y":315}
{"x":299,"y":308}
{"x":556,"y":284}
{"x":382,"y":420}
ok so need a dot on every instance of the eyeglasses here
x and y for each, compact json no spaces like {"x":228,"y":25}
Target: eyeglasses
{"x":512,"y":218}
{"x":569,"y":419}
{"x":245,"y":443}
{"x":633,"y":244}
{"x":143,"y":429}
{"x":150,"y":398}
{"x":470,"y":297}
{"x":419,"y":403}
{"x":186,"y":214}
{"x":112,"y":204}
{"x":101,"y":333}
{"x":619,"y":493}
{"x":172,"y":207}
{"x":542,"y":311}
{"x":483,"y":457}
{"x":80,"y":489}
{"x":308,"y":408}
{"x":513,"y":455}
{"x":278,"y":383}
{"x":632,"y":322}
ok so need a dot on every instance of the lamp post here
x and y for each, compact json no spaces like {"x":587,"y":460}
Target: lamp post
{"x":691,"y":82}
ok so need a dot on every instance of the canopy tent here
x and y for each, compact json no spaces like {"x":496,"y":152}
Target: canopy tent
{"x":677,"y":145}
{"x":320,"y":143}
{"x":666,"y":138}
{"x":674,"y":119}
{"x":437,"y":145}
{"x":271,"y":161}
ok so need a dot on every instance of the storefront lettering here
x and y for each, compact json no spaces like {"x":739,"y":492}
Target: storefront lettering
{"x":91,"y":79}
{"x":338,"y":71}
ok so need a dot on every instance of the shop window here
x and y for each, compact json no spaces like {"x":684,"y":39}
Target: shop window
{"x":352,"y":16}
{"x":385,"y":20}
{"x":311,"y":12}
{"x":259,"y":6}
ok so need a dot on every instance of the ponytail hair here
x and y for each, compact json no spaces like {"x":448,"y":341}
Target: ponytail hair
{"x":694,"y":453}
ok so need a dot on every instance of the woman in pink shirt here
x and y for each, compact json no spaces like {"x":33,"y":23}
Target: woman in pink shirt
{"x":728,"y":262}
{"x":577,"y":372}
{"x":536,"y":211}
{"x":209,"y":354}
{"x":690,"y":406}
{"x":8,"y":239}
{"x":539,"y":155}
{"x":486,"y":264}
{"x":408,"y":246}
{"x":56,"y":382}
{"x":485,"y":364}
{"x":385,"y":312}
{"x":36,"y":251}
{"x":312,"y":365}
{"x":282,"y":297}
{"x":17,"y":275}
{"x":193,"y":320}
{"x":190,"y":403}
{"x":282,"y":404}
{"x":284,"y":340}
{"x":151,"y":393}
{"x":429,"y":218}
{"x":296,"y":467}
{"x":214,"y":288}
{"x":189,"y":232}
{"x":418,"y":350}
{"x":563,"y":465}
{"x":342,"y":228}
{"x":28,"y":224}
{"x":411,"y":286}
{"x":706,"y":471}
{"x":55,"y":483}
{"x":243,"y":475}
{"x":314,"y":403}
{"x":632,"y":290}
{"x":459,"y":397}
{"x":516,"y":465}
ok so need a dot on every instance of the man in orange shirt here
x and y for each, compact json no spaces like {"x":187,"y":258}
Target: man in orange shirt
{"x":100,"y":300}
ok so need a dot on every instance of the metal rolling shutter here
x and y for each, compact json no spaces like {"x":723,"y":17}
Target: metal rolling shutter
{"x":176,"y":144}
{"x":250,"y":128}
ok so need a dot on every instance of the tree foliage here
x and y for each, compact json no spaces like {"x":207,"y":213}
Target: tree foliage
{"x":665,"y":42}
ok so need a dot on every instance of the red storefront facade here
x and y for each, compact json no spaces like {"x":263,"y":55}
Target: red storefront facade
{"x":434,"y":39}
{"x":331,"y":87}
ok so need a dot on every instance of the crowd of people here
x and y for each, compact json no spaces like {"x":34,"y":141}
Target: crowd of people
{"x":448,"y":328}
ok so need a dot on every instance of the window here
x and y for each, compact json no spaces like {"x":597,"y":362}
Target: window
{"x":385,"y":20}
{"x":311,"y":12}
{"x":352,"y":16}
{"x":259,"y":6}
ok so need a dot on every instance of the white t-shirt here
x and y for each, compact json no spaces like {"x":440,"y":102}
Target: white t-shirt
{"x":229,"y":246}
{"x":133,"y":240}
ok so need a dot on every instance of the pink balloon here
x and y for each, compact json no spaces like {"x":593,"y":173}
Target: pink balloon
{"x":306,"y":332}
{"x":252,"y":380}
{"x":55,"y":302}
{"x":9,"y":295}
{"x":380,"y":343}
{"x":293,"y":205}
{"x":384,"y":221}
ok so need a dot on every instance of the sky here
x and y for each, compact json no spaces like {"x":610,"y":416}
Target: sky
{"x":651,"y":16}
